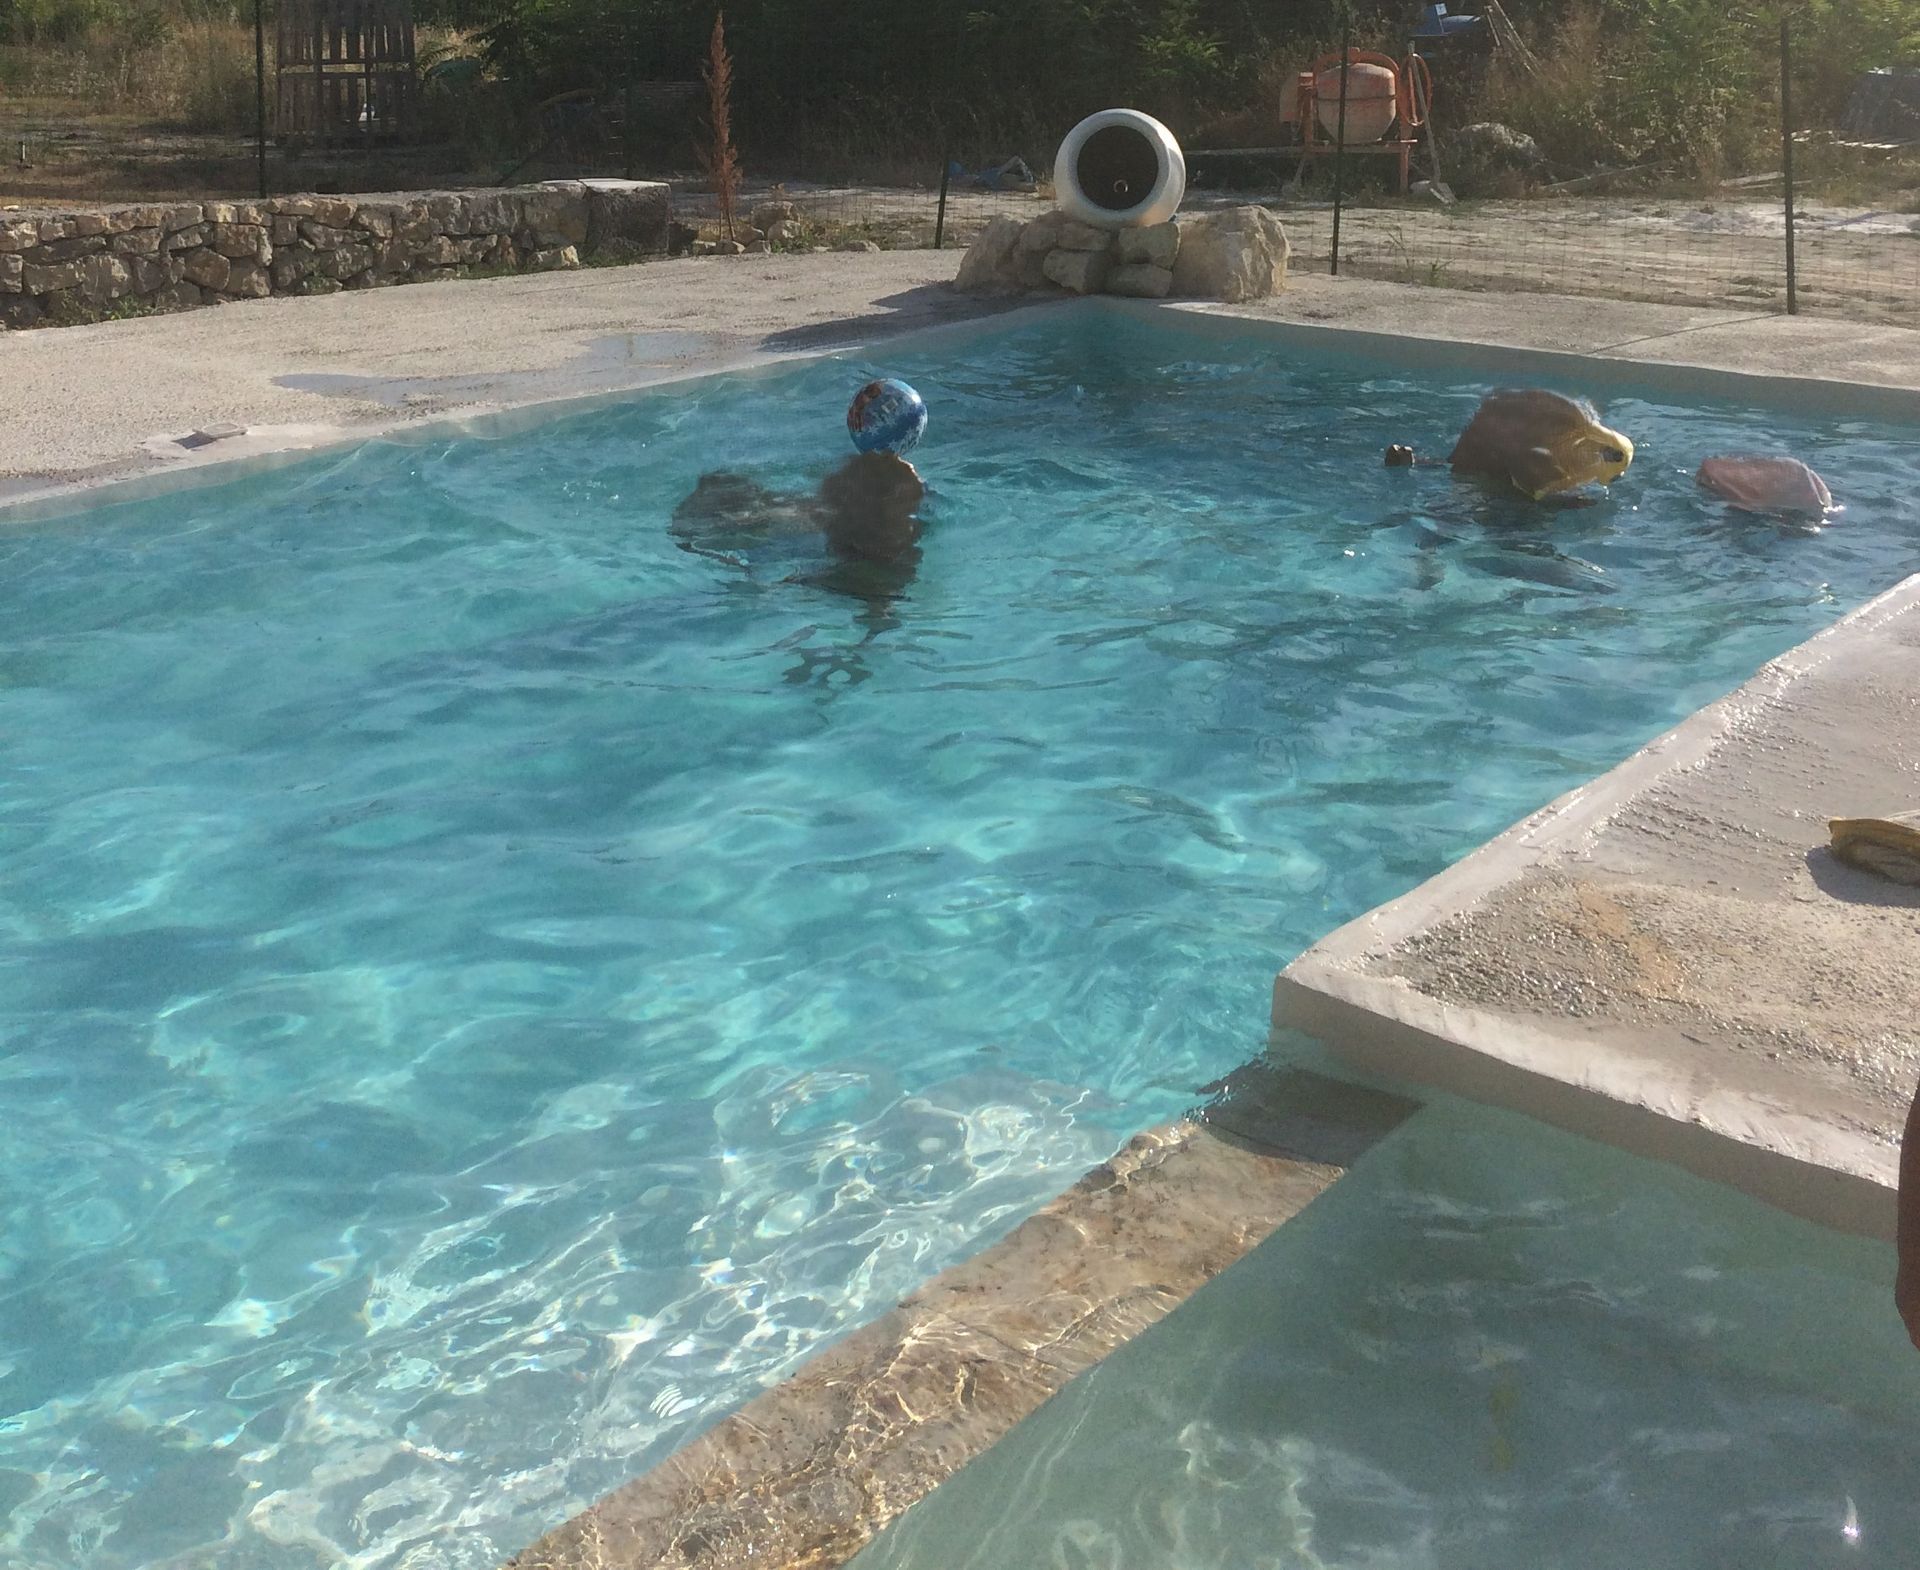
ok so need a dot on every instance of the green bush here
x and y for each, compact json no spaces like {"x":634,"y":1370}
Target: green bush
{"x":1689,"y":84}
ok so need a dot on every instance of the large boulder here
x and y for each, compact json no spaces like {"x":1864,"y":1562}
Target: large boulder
{"x":1494,"y":143}
{"x":767,"y":214}
{"x":1075,"y":236}
{"x":240,"y":242}
{"x":249,"y":280}
{"x":1040,"y":235}
{"x":207,"y":268}
{"x":1488,"y":159}
{"x":1236,"y":254}
{"x":1141,"y":281}
{"x":554,"y":215}
{"x":105,"y":278}
{"x":627,"y":214}
{"x":45,"y":277}
{"x":1156,"y":245}
{"x":992,"y":262}
{"x":1081,"y":272}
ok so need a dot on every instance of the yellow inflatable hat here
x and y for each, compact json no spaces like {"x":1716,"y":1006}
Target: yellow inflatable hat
{"x":1889,"y":846}
{"x":1540,"y":442}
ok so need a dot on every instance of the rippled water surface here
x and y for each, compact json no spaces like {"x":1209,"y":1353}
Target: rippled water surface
{"x":482,"y":990}
{"x":1488,"y":1347}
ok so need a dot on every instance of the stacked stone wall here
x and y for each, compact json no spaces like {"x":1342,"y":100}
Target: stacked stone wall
{"x":78,"y":266}
{"x":1235,"y":254}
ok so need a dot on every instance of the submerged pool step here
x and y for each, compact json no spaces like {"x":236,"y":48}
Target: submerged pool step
{"x":810,"y":1471}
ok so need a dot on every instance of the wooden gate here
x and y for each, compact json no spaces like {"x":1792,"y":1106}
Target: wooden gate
{"x":346,"y":71}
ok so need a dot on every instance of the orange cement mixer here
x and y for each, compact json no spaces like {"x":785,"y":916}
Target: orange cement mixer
{"x":1386,"y":103}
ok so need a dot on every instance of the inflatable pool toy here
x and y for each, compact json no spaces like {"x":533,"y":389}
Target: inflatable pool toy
{"x":1119,"y":169}
{"x":1540,"y":442}
{"x":1767,"y":485}
{"x":887,"y":416}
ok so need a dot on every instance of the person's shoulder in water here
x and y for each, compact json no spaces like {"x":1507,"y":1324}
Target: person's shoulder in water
{"x":727,"y":512}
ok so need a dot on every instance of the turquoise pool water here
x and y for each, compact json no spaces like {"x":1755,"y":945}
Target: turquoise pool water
{"x":483,"y":990}
{"x":1490,"y":1346}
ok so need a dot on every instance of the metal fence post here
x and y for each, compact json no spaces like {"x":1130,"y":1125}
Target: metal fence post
{"x":940,"y":218}
{"x":1340,"y":140}
{"x":1786,"y":157}
{"x":632,"y":52}
{"x":260,"y":91}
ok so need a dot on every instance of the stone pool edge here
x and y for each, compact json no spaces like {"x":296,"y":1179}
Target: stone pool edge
{"x":255,"y":450}
{"x":807,"y":1473}
{"x":1623,"y":1086}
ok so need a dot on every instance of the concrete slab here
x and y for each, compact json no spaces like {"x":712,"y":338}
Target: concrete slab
{"x":1668,"y":958}
{"x":107,"y":402}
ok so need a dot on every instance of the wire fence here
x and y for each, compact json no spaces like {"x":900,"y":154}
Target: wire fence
{"x":1849,"y":203}
{"x":1728,"y":254}
{"x":1758,"y":243}
{"x":1725,"y":251}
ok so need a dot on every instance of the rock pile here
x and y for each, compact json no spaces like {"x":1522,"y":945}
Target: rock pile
{"x":1239,"y":253}
{"x":169,"y":255}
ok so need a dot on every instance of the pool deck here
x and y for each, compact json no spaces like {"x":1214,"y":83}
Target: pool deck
{"x":1669,"y":958}
{"x":1663,"y":958}
{"x":109,"y":402}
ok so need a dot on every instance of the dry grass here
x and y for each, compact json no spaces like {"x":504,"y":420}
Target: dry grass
{"x":196,"y":76}
{"x":178,"y":74}
{"x":1848,"y":174}
{"x":201,"y":78}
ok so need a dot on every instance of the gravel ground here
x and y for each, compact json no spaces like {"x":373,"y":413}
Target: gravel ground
{"x":1856,"y":262}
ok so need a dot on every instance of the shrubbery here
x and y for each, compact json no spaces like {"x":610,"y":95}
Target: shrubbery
{"x":1623,"y":80}
{"x":1691,"y":83}
{"x":880,"y":83}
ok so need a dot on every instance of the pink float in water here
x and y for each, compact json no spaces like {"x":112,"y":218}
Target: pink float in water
{"x":1767,"y":485}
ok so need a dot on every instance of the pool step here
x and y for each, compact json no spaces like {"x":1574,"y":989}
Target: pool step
{"x":807,"y":1473}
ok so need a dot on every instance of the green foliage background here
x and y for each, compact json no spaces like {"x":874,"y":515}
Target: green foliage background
{"x":1625,"y":79}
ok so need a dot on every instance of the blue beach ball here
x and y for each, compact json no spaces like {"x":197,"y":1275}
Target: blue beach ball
{"x":887,"y":416}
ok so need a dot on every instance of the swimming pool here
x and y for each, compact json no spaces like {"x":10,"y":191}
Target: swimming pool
{"x":486,"y":990}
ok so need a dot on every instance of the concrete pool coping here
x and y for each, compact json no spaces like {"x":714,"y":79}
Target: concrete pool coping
{"x":356,"y":375}
{"x":105,"y":407}
{"x":1641,"y":961}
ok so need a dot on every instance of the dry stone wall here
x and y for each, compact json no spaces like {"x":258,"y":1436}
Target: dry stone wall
{"x":1235,"y":254}
{"x":75,"y":266}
